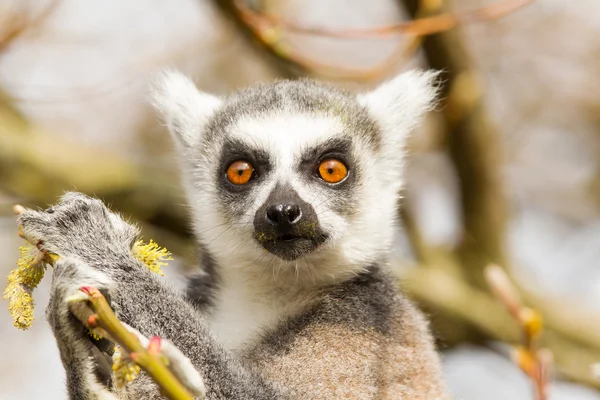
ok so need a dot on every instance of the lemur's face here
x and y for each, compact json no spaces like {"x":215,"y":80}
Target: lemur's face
{"x":295,"y":171}
{"x":291,"y":181}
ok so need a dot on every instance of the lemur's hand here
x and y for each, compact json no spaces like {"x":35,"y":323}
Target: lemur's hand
{"x":94,"y":246}
{"x":82,"y":227}
{"x":87,"y":363}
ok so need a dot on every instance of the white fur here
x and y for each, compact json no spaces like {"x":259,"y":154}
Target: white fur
{"x":88,"y":276}
{"x":399,"y":104}
{"x":241,"y":315}
{"x":185,"y":109}
{"x":257,"y":289}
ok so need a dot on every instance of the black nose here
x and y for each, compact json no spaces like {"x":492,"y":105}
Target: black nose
{"x":283,"y":214}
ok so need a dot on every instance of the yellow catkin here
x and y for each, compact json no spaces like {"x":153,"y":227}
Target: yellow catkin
{"x":30,"y":271}
{"x":20,"y":306}
{"x":125,"y":370}
{"x":152,"y":255}
{"x":93,"y":335}
{"x":20,"y":284}
{"x":30,"y":267}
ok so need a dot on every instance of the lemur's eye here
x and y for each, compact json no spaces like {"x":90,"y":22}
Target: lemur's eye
{"x":333,"y":171}
{"x":240,"y":172}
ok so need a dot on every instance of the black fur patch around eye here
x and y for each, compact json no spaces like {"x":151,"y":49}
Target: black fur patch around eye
{"x":235,"y":199}
{"x":341,"y":196}
{"x":334,"y":146}
{"x":235,"y":150}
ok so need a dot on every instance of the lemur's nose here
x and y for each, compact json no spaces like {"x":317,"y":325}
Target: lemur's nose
{"x":283,"y":215}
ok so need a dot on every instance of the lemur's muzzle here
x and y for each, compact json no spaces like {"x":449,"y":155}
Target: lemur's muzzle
{"x":286,"y":225}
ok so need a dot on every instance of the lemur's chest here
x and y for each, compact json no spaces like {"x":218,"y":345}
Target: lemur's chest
{"x":238,"y":318}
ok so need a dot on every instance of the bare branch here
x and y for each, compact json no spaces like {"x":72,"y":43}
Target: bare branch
{"x":418,"y":27}
{"x":270,"y":32}
{"x":535,"y":362}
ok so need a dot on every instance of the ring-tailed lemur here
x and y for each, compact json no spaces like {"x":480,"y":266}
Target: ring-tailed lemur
{"x":293,"y":188}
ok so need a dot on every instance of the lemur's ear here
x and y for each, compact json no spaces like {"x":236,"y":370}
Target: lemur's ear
{"x":185,"y":109}
{"x":400,"y":104}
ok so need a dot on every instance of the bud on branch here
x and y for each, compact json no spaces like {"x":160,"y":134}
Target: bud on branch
{"x":535,"y":362}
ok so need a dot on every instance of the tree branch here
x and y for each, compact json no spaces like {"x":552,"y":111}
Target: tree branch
{"x":474,"y":148}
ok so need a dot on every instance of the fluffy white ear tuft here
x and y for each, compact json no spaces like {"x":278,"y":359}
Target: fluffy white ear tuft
{"x":185,"y":109}
{"x":400,"y":104}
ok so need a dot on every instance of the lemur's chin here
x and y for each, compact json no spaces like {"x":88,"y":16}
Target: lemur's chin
{"x":290,"y":247}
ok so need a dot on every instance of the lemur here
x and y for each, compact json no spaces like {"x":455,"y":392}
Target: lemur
{"x":293,"y":188}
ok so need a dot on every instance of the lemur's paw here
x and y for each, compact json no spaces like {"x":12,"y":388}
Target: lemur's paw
{"x":83,"y":357}
{"x":79,"y":226}
{"x":70,"y":274}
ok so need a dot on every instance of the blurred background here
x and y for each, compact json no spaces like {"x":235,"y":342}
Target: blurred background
{"x":507,"y":171}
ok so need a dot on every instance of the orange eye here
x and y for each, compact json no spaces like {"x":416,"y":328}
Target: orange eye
{"x":333,"y":171}
{"x":239,"y":172}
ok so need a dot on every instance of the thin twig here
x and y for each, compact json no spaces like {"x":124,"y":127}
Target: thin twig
{"x":535,"y":362}
{"x":19,"y":24}
{"x":421,"y":26}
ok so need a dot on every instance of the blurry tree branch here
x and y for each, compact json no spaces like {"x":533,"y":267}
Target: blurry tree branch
{"x":452,"y":283}
{"x":569,"y":332}
{"x":284,"y":67}
{"x":534,"y":361}
{"x":15,"y":22}
{"x":422,"y":26}
{"x":38,"y":167}
{"x":269,"y":31}
{"x":474,"y":146}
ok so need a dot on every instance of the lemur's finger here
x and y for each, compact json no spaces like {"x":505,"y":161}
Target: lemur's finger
{"x":70,"y":197}
{"x":80,"y":201}
{"x":33,"y":221}
{"x":70,"y":274}
{"x":36,"y":227}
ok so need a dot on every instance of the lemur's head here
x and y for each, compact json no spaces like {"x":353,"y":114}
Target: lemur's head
{"x":295,"y":173}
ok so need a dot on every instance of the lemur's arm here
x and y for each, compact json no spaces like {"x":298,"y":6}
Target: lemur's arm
{"x":95,"y":245}
{"x":156,"y":309}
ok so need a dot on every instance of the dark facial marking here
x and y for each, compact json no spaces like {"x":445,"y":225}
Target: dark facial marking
{"x":235,"y":150}
{"x":342,"y":195}
{"x":235,"y":199}
{"x":286,"y":225}
{"x":331,"y":148}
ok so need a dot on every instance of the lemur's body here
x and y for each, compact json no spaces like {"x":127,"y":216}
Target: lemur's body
{"x":293,"y":188}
